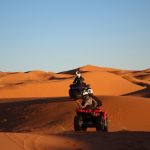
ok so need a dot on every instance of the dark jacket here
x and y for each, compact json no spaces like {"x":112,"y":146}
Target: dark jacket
{"x":78,"y":81}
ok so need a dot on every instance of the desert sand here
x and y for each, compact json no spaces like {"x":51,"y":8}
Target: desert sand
{"x":37,"y":114}
{"x":48,"y":84}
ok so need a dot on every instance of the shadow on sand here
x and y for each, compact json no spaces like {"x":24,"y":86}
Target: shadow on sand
{"x":15,"y":114}
{"x":121,"y":140}
{"x":143,"y":93}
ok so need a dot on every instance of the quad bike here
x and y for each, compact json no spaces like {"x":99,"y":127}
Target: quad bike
{"x":76,"y":91}
{"x":94,"y":118}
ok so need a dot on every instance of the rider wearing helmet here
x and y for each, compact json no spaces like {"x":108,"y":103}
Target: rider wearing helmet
{"x":88,"y":102}
{"x":79,"y":80}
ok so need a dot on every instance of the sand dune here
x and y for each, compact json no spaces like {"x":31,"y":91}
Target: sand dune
{"x":52,"y":88}
{"x":79,"y":141}
{"x":141,"y":77}
{"x":37,"y":114}
{"x":91,"y":68}
{"x":43,"y":128}
{"x":103,"y":83}
{"x":142,"y":93}
{"x":56,"y":114}
{"x":34,"y":84}
{"x":138,"y":77}
{"x":19,"y":77}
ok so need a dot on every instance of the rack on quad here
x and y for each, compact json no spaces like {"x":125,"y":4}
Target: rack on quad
{"x":94,"y":118}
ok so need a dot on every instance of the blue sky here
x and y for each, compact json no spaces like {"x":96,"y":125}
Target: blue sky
{"x":57,"y":35}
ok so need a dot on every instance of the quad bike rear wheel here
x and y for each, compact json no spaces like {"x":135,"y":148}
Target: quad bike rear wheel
{"x":74,"y":93}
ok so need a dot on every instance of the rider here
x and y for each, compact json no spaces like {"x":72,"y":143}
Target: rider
{"x":88,"y":102}
{"x":79,"y":80}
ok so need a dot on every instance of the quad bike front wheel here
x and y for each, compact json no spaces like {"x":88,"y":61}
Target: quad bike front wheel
{"x":102,"y":124}
{"x":79,"y":124}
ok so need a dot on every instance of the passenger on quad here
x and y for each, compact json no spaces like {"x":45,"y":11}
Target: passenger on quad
{"x":90,"y":101}
{"x":79,"y":80}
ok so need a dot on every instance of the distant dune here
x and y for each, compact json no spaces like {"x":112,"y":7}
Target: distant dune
{"x":142,"y":93}
{"x":48,"y":84}
{"x":105,"y":83}
{"x":91,"y":68}
{"x":141,"y":77}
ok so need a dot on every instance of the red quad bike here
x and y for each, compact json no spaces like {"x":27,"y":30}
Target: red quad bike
{"x":90,"y":118}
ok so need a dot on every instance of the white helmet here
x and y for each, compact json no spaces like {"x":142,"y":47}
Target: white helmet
{"x":85,"y":95}
{"x":90,"y":91}
{"x":78,"y":74}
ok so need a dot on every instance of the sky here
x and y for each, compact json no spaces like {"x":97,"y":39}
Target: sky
{"x":58,"y":35}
